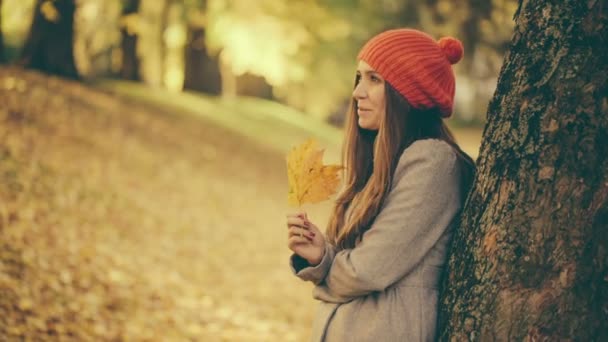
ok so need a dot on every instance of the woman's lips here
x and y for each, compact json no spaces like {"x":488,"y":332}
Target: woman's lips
{"x":363,"y":111}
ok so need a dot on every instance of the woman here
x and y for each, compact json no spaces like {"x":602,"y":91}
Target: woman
{"x":377,"y":270}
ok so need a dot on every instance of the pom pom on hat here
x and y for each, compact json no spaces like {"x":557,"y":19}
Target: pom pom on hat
{"x":452,"y":48}
{"x":416,"y":65}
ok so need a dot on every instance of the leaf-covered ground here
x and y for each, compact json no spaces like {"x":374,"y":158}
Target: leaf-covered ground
{"x":123,"y":222}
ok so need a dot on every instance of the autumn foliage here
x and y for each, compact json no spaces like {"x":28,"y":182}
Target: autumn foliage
{"x":309,"y":180}
{"x":119,"y":227}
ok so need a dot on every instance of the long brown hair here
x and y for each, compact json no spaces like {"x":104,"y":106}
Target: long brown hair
{"x":370,"y":158}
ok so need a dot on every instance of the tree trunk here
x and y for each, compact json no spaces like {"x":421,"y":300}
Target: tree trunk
{"x":229,"y":80}
{"x":129,"y":69}
{"x":2,"y":55}
{"x":253,"y":85}
{"x":530,"y":260}
{"x":202,"y":71}
{"x":48,"y":47}
{"x":471,"y":27}
{"x":164,"y":23}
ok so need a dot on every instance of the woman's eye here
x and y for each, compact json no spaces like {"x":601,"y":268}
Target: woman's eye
{"x":375,"y":79}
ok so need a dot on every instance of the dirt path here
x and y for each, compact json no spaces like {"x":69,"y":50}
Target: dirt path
{"x":122,"y":222}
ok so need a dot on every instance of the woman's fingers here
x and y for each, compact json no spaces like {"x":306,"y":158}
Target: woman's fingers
{"x":301,"y":215}
{"x":312,"y":227}
{"x":300,"y":232}
{"x":294,"y":221}
{"x":296,"y":240}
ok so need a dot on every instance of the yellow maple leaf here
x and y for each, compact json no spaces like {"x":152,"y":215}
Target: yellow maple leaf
{"x":309,"y":180}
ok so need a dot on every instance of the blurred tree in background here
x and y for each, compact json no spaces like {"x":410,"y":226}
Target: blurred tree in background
{"x":49,"y":45}
{"x":2,"y":57}
{"x":129,"y":69}
{"x":299,"y":52}
{"x":202,"y":71}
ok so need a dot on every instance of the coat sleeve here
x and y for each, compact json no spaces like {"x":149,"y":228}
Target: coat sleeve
{"x":423,"y":201}
{"x":301,"y":268}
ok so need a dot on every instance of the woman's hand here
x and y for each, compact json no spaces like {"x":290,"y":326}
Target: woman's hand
{"x":305,"y":239}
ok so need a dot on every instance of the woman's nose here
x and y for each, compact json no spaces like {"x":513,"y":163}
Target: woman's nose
{"x":359,"y":91}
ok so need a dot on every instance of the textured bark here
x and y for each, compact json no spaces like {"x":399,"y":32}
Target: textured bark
{"x":529,"y":262}
{"x":129,"y":69}
{"x":49,"y":46}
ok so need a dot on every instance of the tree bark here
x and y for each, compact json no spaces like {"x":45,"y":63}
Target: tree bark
{"x":49,"y":46}
{"x":530,"y":260}
{"x":129,"y":69}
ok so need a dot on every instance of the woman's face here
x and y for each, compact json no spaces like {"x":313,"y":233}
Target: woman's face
{"x":370,"y":97}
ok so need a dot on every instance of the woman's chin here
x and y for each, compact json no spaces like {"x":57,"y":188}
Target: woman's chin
{"x":366,"y":125}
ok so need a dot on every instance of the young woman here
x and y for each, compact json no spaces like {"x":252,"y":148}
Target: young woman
{"x":378,"y":267}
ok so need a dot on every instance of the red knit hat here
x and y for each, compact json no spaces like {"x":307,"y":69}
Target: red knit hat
{"x":416,"y":65}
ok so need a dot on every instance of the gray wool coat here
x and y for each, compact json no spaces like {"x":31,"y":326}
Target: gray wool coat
{"x":385,"y":289}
